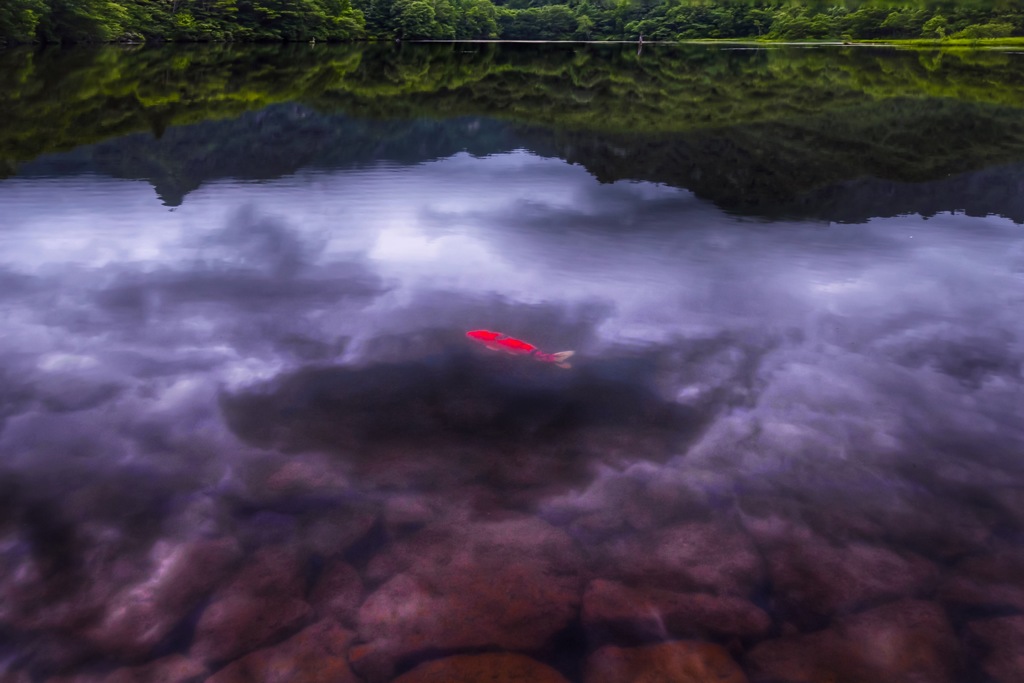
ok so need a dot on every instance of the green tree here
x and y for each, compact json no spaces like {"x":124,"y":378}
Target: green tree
{"x":584,"y":28}
{"x":82,"y":21}
{"x":935,"y":27}
{"x":905,"y":23}
{"x":866,"y":22}
{"x":20,"y":18}
{"x":991,"y":30}
{"x":557,"y":22}
{"x":415,"y":19}
{"x":761,"y":20}
{"x":476,"y":19}
{"x":379,"y":20}
{"x":187,"y":20}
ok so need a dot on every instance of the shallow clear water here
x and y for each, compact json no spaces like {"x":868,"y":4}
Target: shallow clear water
{"x":243,"y":429}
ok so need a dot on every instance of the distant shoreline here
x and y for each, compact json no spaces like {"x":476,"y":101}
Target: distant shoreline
{"x":911,"y":42}
{"x":980,"y":43}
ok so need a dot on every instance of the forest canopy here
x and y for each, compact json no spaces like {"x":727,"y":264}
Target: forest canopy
{"x":78,"y":21}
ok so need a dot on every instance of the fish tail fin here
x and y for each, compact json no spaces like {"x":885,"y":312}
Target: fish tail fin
{"x":560,"y":358}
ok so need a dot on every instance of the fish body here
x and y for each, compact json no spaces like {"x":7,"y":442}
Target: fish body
{"x":496,"y":341}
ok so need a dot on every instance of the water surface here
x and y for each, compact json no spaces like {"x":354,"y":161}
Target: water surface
{"x":242,"y":429}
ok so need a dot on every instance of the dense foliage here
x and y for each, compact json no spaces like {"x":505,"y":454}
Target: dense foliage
{"x":219,"y":20}
{"x":59,"y":99}
{"x":753,"y":130}
{"x":77,"y":21}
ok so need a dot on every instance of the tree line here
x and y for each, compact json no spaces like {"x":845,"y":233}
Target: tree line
{"x":77,"y":21}
{"x":751,"y":129}
{"x":60,"y":99}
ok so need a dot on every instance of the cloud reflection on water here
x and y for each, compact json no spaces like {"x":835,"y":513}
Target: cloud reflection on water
{"x":252,"y":371}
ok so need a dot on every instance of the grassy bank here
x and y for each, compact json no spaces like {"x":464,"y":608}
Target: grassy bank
{"x":1013,"y":41}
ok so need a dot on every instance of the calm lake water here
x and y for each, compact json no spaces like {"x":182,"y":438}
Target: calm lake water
{"x":244,"y":437}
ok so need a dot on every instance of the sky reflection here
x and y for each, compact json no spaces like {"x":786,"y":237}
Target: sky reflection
{"x":247,"y":281}
{"x":272,"y":352}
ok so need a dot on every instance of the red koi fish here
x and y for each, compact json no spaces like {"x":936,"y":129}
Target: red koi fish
{"x":496,"y":341}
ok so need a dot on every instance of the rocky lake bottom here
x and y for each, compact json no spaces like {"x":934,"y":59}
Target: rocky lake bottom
{"x":653,"y":573}
{"x":425,"y":526}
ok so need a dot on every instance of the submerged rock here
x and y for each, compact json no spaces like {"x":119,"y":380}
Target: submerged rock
{"x":509,"y":585}
{"x":317,"y":654}
{"x":141,"y":615}
{"x":617,"y":613}
{"x":494,"y":668}
{"x":305,"y":476}
{"x":279,"y":479}
{"x":15,"y":677}
{"x":171,"y":669}
{"x":645,"y":497}
{"x":908,"y":640}
{"x":59,"y":578}
{"x":710,"y":557}
{"x":333,"y":533}
{"x":262,"y":601}
{"x":675,"y":662}
{"x":813,"y":579}
{"x":990,"y":581}
{"x":406,"y":512}
{"x":237,"y":624}
{"x":597,"y":527}
{"x":1002,"y":640}
{"x":337,"y":593}
{"x":49,"y":653}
